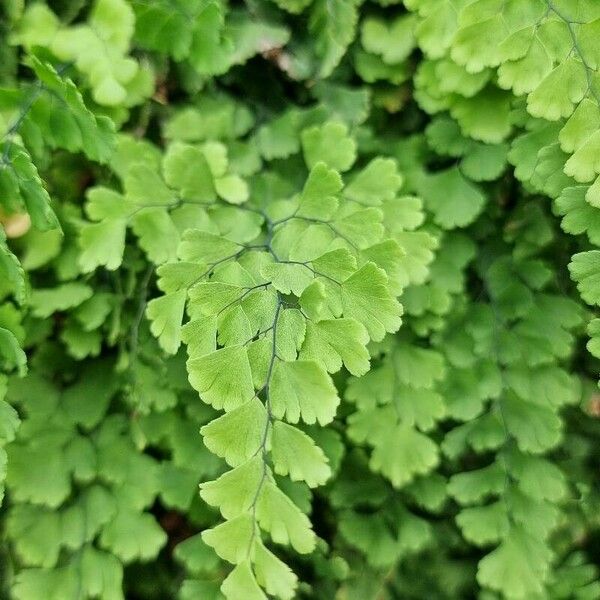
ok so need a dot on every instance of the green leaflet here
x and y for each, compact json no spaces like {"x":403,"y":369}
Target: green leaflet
{"x":273,"y":574}
{"x":23,"y":188}
{"x":318,"y":195}
{"x":378,"y":181}
{"x":284,"y":521}
{"x":329,"y":144}
{"x":194,"y":553}
{"x":210,"y":376}
{"x":393,"y":42}
{"x":231,"y":539}
{"x":241,"y":581}
{"x":365,"y":298}
{"x":12,"y":271}
{"x":302,"y":389}
{"x":130,"y":536}
{"x":13,"y":356}
{"x":10,"y":424}
{"x":518,"y":553}
{"x":196,"y":184}
{"x":166,"y":314}
{"x":246,"y":423}
{"x":453,"y":200}
{"x":335,"y":342}
{"x":102,"y":244}
{"x":585,"y":270}
{"x":287,"y":443}
{"x":234,"y":492}
{"x":333,"y":24}
{"x":578,"y":215}
{"x":46,"y":302}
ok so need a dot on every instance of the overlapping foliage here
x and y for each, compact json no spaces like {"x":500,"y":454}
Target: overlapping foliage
{"x":332,"y":263}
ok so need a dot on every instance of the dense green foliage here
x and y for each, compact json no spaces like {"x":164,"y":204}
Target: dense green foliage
{"x":336,"y":263}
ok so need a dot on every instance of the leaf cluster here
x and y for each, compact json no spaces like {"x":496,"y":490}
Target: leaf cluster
{"x":298,"y":299}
